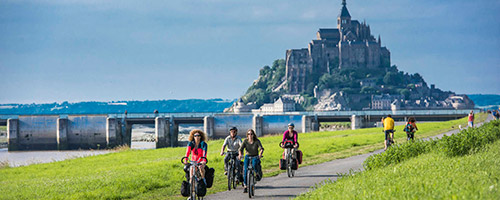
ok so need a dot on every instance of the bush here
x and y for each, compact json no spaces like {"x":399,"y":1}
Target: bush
{"x":470,"y":140}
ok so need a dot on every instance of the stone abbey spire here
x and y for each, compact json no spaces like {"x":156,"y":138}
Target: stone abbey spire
{"x":350,"y":45}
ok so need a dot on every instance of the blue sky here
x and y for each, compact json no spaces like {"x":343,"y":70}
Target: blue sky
{"x":76,"y":50}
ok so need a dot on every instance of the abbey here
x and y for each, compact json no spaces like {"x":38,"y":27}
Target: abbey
{"x":350,"y":45}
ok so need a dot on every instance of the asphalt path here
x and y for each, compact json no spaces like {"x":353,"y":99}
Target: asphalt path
{"x":282,"y":187}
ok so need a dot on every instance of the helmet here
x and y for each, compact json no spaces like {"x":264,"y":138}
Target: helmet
{"x":291,"y":124}
{"x":233,"y":128}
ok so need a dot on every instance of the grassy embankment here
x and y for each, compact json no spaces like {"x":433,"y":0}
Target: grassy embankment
{"x":463,"y":166}
{"x":157,"y":174}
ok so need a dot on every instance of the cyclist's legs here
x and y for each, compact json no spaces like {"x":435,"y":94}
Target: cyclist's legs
{"x":245,"y":168}
{"x":286,"y":152}
{"x":294,"y":155}
{"x":226,"y":160}
{"x":256,"y":166}
{"x":201,"y":167}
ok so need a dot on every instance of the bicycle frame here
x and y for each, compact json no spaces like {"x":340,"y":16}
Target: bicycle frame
{"x":195,"y":177}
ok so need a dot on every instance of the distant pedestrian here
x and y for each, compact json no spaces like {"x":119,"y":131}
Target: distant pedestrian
{"x":156,"y":113}
{"x":410,"y":129}
{"x":498,"y":113}
{"x":471,"y":119}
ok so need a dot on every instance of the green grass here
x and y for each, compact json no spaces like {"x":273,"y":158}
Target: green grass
{"x":429,"y":176}
{"x":3,"y":128}
{"x":157,"y":174}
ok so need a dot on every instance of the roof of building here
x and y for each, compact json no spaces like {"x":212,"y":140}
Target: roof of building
{"x":344,"y":12}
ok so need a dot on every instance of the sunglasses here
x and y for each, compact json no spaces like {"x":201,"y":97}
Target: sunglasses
{"x":197,"y":135}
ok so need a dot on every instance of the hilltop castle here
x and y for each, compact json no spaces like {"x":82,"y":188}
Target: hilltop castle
{"x":350,"y":45}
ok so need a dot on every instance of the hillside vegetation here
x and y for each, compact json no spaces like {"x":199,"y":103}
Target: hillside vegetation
{"x":157,"y":174}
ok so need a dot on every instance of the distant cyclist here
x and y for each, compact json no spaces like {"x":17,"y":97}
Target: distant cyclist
{"x":290,"y":137}
{"x":233,"y":143}
{"x":253,"y":147}
{"x":197,"y":147}
{"x":411,"y":128}
{"x":388,"y":130}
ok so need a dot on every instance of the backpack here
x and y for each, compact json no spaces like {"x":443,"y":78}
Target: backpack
{"x":185,"y":189}
{"x":408,"y":128}
{"x":209,"y":176}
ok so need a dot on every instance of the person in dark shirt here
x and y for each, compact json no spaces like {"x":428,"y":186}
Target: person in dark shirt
{"x":252,"y":147}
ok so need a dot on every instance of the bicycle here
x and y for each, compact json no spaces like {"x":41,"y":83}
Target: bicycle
{"x":390,"y":141}
{"x":233,"y":171}
{"x":195,"y":179}
{"x":289,"y":158}
{"x":251,"y":177}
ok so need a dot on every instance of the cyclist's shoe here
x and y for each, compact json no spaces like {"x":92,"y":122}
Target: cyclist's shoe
{"x":245,"y":190}
{"x":225,"y":173}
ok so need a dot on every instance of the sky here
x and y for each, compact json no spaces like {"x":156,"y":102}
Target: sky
{"x":111,"y":50}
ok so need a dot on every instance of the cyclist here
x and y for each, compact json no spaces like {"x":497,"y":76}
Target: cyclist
{"x":252,"y":146}
{"x":290,"y":136}
{"x":388,"y":129}
{"x":197,"y":147}
{"x":233,"y":143}
{"x":411,"y":128}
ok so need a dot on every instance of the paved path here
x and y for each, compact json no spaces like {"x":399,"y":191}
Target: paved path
{"x":282,"y":187}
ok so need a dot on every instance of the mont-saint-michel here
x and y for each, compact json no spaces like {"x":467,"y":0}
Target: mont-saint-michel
{"x":344,"y":68}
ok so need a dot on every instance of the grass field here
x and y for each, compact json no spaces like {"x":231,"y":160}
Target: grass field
{"x":438,"y":174}
{"x":157,"y":174}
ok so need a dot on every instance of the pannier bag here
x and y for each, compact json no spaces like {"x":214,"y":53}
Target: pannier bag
{"x":282,"y":164}
{"x":209,"y":176}
{"x":185,"y":189}
{"x":201,"y":190}
{"x":295,"y":164}
{"x":299,"y":156}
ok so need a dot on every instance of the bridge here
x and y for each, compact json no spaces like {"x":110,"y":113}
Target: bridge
{"x":62,"y":132}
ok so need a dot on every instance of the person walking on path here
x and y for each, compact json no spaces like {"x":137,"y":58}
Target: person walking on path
{"x":388,"y":130}
{"x":233,"y":143}
{"x":471,"y":119}
{"x":252,"y":146}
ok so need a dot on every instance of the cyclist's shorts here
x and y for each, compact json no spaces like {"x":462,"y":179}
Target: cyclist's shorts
{"x":387,"y":134}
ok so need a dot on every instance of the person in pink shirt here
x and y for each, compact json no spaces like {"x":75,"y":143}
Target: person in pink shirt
{"x":290,"y":139}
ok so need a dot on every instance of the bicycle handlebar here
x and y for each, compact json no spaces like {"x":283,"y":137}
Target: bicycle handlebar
{"x":282,"y":144}
{"x":183,"y":158}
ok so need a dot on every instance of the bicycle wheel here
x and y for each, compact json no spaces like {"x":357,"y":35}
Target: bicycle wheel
{"x":250,"y":183}
{"x":193,"y":188}
{"x":288,"y":166}
{"x":235,"y":177}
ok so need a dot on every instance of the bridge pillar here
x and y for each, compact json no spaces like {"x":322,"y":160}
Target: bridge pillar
{"x":62,"y":134}
{"x":161,"y":132}
{"x":112,"y":130}
{"x":174,"y":136}
{"x":209,"y":126}
{"x":356,"y":122}
{"x":13,"y":134}
{"x":257,"y":122}
{"x":306,"y":124}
